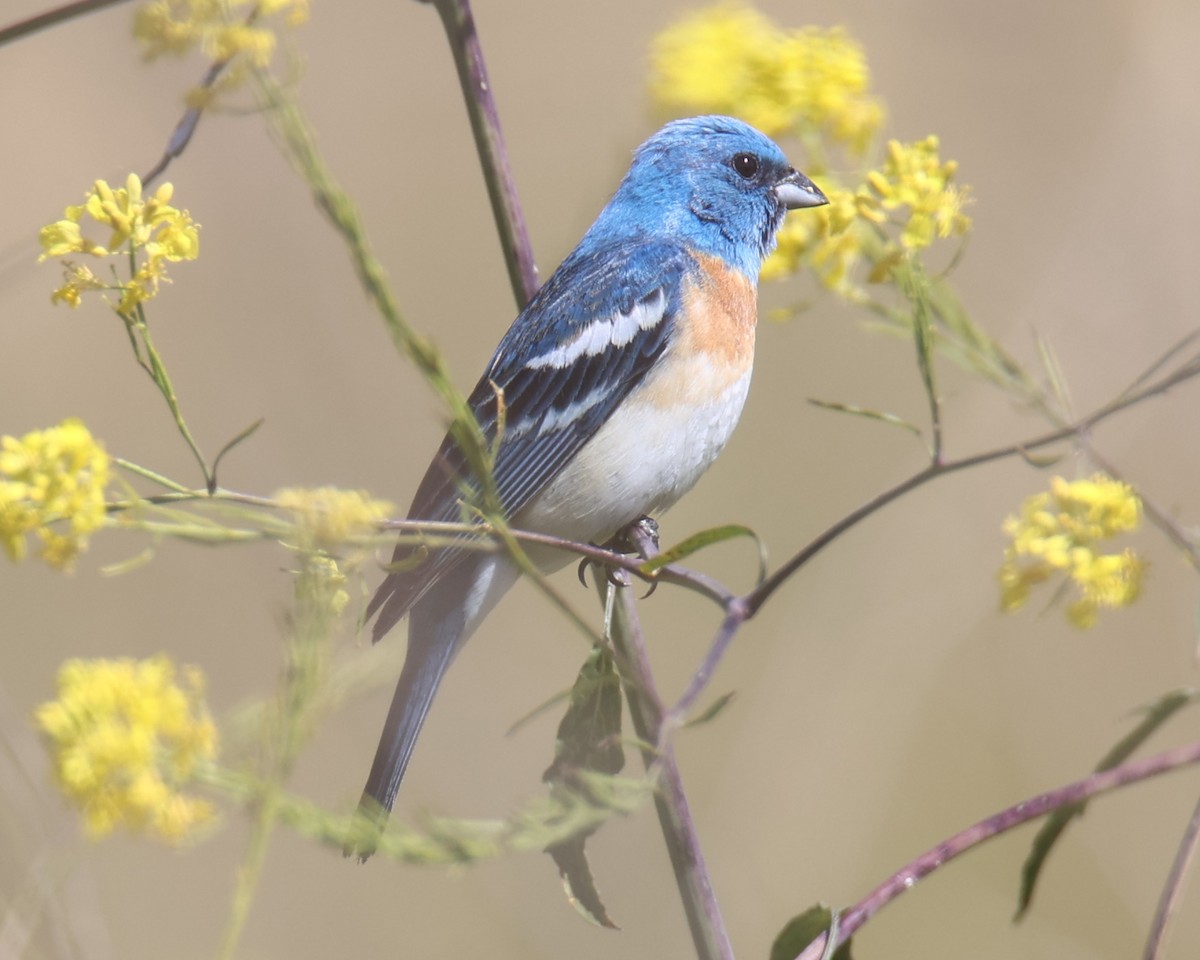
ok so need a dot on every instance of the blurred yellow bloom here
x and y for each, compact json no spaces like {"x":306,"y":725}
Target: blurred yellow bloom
{"x":329,"y":517}
{"x":914,"y":177}
{"x":1058,"y":531}
{"x":221,"y":29}
{"x":125,"y":737}
{"x":829,"y":239}
{"x":154,"y":230}
{"x":54,"y":476}
{"x":731,"y":59}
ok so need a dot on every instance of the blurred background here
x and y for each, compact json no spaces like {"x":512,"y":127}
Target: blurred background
{"x":883,"y":702}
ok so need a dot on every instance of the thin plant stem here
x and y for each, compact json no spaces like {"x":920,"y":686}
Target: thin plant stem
{"x":704,"y":918}
{"x":740,"y":609}
{"x":1157,"y":941}
{"x":158,"y":373}
{"x":489,"y":143}
{"x":52,"y":17}
{"x":250,"y":872}
{"x":907,"y":876}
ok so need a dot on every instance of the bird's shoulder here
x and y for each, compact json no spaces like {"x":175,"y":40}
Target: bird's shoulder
{"x":637,"y":278}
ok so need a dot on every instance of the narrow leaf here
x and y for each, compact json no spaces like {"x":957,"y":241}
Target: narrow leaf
{"x":578,"y":882}
{"x":856,"y":411}
{"x":713,"y":709}
{"x":1156,"y":714}
{"x":706,"y":538}
{"x":244,"y":435}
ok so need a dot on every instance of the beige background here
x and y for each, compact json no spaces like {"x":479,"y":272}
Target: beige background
{"x":882,"y":701}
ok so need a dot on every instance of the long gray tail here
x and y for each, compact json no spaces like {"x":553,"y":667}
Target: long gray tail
{"x":439,"y":624}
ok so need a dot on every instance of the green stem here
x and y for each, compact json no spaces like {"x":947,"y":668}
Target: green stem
{"x":154,"y":477}
{"x":250,"y":873}
{"x":163,"y":380}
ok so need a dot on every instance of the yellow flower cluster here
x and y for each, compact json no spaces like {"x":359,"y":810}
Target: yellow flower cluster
{"x":914,"y":177}
{"x":221,"y":29}
{"x":731,"y":59}
{"x":126,"y":737}
{"x":48,"y":477}
{"x":328,"y":520}
{"x":330,"y":517}
{"x":815,"y":84}
{"x":828,"y":239}
{"x":149,"y":227}
{"x":1058,"y":532}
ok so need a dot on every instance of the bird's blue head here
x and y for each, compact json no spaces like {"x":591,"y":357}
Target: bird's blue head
{"x":714,"y":183}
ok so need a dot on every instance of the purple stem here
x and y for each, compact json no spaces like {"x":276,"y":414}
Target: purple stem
{"x":1156,"y":942}
{"x":907,"y":877}
{"x":489,"y":141}
{"x":68,"y":11}
{"x":740,"y":609}
{"x":707,"y":926}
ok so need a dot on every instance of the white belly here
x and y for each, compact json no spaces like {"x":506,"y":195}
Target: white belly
{"x":650,"y":452}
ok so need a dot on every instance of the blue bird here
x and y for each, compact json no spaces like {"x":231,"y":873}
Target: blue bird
{"x":622,"y":380}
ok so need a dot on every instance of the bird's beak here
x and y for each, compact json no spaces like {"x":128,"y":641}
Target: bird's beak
{"x":796,"y":190}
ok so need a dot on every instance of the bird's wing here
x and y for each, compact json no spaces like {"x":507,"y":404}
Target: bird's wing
{"x":585,"y":340}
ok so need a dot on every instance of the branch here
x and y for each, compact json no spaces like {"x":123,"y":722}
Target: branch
{"x":1156,"y":942}
{"x":489,"y":142}
{"x":670,"y":801}
{"x":68,"y":11}
{"x":756,"y":598}
{"x":740,"y":609}
{"x":906,"y":877}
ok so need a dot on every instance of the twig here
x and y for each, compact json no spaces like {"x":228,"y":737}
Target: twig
{"x":1156,"y":942}
{"x":489,"y":142}
{"x":757,"y":597}
{"x":707,"y":926}
{"x":907,"y":877}
{"x":740,"y":609}
{"x":1158,"y":517}
{"x":68,"y":11}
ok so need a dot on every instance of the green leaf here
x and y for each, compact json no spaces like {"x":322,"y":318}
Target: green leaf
{"x":589,"y":734}
{"x":578,"y":882}
{"x":589,"y":739}
{"x":1156,"y":714}
{"x":1054,"y":375}
{"x":706,"y":538}
{"x":855,"y":411}
{"x":714,"y":708}
{"x":244,"y":435}
{"x":802,"y":930}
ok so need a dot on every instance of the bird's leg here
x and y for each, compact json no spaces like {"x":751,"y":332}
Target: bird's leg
{"x":639,"y":538}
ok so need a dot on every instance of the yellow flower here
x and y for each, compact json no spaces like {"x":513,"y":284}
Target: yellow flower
{"x":329,"y":518}
{"x":150,"y":227}
{"x":914,"y":177}
{"x":1057,"y":533}
{"x":731,"y":59}
{"x":54,"y":476}
{"x":830,"y":241}
{"x":125,"y":737}
{"x":221,"y":29}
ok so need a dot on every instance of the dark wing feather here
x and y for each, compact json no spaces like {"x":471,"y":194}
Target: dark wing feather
{"x":588,"y":288}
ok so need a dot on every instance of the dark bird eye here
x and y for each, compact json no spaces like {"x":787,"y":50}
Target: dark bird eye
{"x":746,"y":164}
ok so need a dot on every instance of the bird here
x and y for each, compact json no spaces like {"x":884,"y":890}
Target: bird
{"x":614,"y":389}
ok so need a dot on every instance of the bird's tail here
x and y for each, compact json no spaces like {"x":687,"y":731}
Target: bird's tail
{"x":439,"y":624}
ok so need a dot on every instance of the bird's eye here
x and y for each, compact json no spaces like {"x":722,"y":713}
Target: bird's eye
{"x":746,"y":165}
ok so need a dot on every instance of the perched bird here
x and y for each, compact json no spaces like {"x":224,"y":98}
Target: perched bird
{"x":620,"y":381}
